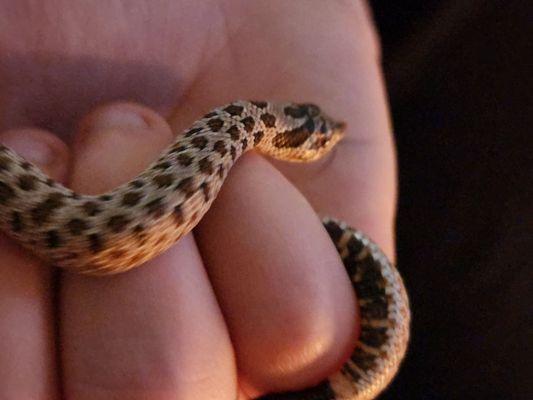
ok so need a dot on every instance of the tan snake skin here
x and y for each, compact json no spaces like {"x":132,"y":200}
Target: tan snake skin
{"x":127,"y":226}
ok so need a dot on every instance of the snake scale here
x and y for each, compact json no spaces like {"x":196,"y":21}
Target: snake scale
{"x":118,"y":230}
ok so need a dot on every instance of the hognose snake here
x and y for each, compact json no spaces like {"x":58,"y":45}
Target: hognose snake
{"x":121,"y":229}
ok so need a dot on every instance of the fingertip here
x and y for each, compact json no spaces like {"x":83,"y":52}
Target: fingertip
{"x":41,"y":148}
{"x":114,"y":143}
{"x":120,"y":116}
{"x":286,"y":297}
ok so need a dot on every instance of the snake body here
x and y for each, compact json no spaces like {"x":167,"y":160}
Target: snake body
{"x":118,"y":230}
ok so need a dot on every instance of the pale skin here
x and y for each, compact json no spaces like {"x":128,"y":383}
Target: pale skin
{"x":255,"y":300}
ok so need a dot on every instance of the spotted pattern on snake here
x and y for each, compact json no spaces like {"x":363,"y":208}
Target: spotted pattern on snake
{"x":121,"y":229}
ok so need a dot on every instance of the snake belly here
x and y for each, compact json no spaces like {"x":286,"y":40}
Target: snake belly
{"x":119,"y":230}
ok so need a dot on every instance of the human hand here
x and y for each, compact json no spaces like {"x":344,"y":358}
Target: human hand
{"x":157,"y":331}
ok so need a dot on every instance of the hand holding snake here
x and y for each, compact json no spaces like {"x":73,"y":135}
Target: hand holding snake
{"x":325,"y":65}
{"x":113,"y":232}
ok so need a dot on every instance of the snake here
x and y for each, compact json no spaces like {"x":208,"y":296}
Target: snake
{"x":113,"y":232}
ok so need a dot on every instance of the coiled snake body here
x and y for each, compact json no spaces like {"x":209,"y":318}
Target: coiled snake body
{"x":121,"y":229}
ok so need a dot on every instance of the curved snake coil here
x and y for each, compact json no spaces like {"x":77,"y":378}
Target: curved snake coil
{"x":118,"y":230}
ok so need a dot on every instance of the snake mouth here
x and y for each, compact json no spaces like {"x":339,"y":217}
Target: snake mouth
{"x":338,"y":133}
{"x":339,"y":129}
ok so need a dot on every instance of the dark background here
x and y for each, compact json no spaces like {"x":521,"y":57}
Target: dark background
{"x":459,"y":80}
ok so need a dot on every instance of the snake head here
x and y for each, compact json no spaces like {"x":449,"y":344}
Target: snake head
{"x":309,"y":133}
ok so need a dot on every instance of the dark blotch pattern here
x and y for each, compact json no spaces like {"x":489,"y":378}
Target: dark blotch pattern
{"x":220,"y":147}
{"x":258,"y":136}
{"x":269,"y":120}
{"x":185,"y":186}
{"x":351,"y":265}
{"x":162,"y":165}
{"x":369,"y":289}
{"x":375,"y":337}
{"x":206,"y":190}
{"x":376,"y":309}
{"x":178,"y":214}
{"x":234,"y":110}
{"x":184,"y":159}
{"x":6,"y":193}
{"x":244,"y":143}
{"x":96,"y":243}
{"x":163,"y":180}
{"x":50,"y":182}
{"x":199,"y":142}
{"x":192,"y":131}
{"x":347,"y":370}
{"x":334,"y":231}
{"x":156,"y":207}
{"x":309,"y":125}
{"x":234,"y":133}
{"x":221,"y":171}
{"x":53,"y":240}
{"x":205,"y":166}
{"x":363,"y":359}
{"x":130,"y":199}
{"x":248,"y":123}
{"x":105,"y":197}
{"x":355,"y":246}
{"x":295,"y":112}
{"x":177,"y":149}
{"x":117,"y":223}
{"x":77,"y":226}
{"x":26,"y":166}
{"x":5,"y":163}
{"x":138,"y":229}
{"x":260,"y":104}
{"x":27,"y":182}
{"x":42,"y":211}
{"x":91,"y":208}
{"x":233,"y":153}
{"x":137,"y":183}
{"x":215,"y":124}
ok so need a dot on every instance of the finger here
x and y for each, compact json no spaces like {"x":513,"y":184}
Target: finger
{"x":287,"y":301}
{"x":27,"y":344}
{"x":155,"y":332}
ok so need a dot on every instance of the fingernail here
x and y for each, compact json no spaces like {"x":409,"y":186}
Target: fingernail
{"x":123,"y":138}
{"x":39,"y":148}
{"x":31,"y":148}
{"x":116,"y":117}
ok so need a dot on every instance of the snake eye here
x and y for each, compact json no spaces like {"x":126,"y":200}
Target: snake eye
{"x":323,"y":128}
{"x":309,"y":126}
